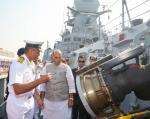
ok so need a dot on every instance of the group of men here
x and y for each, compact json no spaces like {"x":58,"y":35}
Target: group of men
{"x":52,"y":88}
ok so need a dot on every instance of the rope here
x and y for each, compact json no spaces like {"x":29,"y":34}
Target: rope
{"x":2,"y":104}
{"x":132,"y":18}
{"x":113,"y":4}
{"x":138,"y":5}
{"x":126,"y":12}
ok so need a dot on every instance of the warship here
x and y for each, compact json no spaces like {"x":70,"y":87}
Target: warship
{"x":105,"y":95}
{"x":82,"y":29}
{"x":109,"y":88}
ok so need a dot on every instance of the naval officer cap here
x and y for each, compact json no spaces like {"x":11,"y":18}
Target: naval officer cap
{"x":33,"y":44}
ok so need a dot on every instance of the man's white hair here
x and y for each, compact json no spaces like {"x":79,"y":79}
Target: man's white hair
{"x":57,"y":51}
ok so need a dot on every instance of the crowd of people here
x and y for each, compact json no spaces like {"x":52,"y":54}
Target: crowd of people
{"x":47,"y":89}
{"x":4,"y":66}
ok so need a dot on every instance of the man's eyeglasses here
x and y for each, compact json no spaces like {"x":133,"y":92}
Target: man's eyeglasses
{"x":81,"y":61}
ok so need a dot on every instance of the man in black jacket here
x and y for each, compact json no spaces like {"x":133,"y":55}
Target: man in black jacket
{"x":78,"y":110}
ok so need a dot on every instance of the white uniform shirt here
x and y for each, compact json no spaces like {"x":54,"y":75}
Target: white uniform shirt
{"x":69,"y":76}
{"x":21,"y":72}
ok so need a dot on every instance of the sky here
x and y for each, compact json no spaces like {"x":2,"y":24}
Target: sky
{"x":42,"y":20}
{"x":34,"y":20}
{"x":116,"y":10}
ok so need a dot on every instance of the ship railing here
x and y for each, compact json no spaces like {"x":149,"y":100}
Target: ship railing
{"x":2,"y":96}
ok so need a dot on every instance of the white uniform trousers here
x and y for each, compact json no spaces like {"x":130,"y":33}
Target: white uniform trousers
{"x":20,"y":107}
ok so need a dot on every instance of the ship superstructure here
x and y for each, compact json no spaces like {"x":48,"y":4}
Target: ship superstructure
{"x":82,"y":28}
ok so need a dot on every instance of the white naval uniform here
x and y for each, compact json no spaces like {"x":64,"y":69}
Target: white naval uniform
{"x":20,"y":106}
{"x":58,"y":109}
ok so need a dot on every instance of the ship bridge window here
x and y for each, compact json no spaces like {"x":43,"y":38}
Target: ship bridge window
{"x":81,"y":46}
{"x":87,"y":21}
{"x":67,"y":39}
{"x":95,"y":39}
{"x":73,"y":54}
{"x":79,"y":39}
{"x":76,"y":39}
{"x":142,"y":37}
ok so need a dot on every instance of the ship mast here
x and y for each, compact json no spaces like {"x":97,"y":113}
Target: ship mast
{"x":124,"y":5}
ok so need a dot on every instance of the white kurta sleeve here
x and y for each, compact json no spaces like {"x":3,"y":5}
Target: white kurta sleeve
{"x":38,"y":72}
{"x":43,"y":85}
{"x":70,"y":80}
{"x":15,"y":74}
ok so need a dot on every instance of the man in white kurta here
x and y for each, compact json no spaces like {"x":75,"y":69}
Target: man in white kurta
{"x":20,"y":102}
{"x":59,"y":91}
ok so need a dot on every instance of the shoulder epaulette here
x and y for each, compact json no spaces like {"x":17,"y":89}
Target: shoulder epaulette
{"x":21,"y":59}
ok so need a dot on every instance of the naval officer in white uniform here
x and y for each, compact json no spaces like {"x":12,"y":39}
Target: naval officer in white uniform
{"x":20,"y":102}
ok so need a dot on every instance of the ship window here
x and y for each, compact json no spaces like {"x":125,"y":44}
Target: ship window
{"x":95,"y":39}
{"x":79,"y":39}
{"x":76,"y":39}
{"x":67,"y":39}
{"x":81,"y":46}
{"x":142,"y":38}
{"x":74,"y":54}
